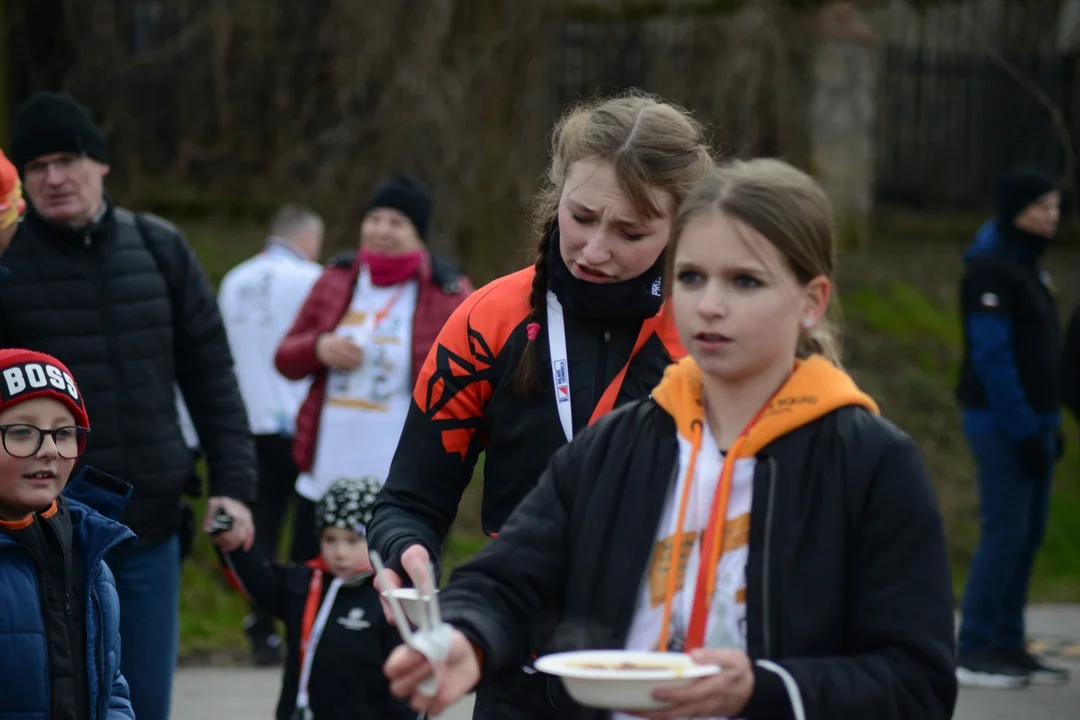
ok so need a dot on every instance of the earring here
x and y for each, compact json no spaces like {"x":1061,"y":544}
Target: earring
{"x":808,"y":323}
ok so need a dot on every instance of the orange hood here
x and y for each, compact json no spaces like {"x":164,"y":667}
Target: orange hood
{"x":814,"y":389}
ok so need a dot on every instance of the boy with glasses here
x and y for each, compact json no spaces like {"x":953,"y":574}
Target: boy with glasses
{"x":59,"y":635}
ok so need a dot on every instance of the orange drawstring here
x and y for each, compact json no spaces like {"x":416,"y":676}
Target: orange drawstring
{"x":677,"y":540}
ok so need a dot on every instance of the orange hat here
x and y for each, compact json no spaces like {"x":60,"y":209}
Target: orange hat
{"x":11,"y":199}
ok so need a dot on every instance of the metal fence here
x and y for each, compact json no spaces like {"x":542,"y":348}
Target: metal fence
{"x":948,"y":126}
{"x":949,"y":119}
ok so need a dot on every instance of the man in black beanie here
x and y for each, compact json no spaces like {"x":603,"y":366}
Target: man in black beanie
{"x":1009,"y":396}
{"x":121,"y":299}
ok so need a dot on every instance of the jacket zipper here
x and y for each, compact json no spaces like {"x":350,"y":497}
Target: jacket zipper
{"x":105,"y":683}
{"x":766,"y":570}
{"x":101,"y":288}
{"x":43,"y":596}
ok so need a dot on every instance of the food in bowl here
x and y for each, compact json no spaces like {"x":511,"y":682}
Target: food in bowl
{"x":629,"y":665}
{"x":622,"y":679}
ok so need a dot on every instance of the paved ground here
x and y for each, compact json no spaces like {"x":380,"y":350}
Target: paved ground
{"x":245,"y":694}
{"x":248,"y":694}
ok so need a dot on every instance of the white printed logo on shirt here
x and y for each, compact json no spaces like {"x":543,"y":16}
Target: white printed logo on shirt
{"x":354,"y":620}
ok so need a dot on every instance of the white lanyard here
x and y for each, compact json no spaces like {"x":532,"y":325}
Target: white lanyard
{"x":313,"y":641}
{"x":560,"y":363}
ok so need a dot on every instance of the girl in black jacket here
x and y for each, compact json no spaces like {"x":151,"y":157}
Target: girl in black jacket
{"x":824,"y":591}
{"x":337,"y":634}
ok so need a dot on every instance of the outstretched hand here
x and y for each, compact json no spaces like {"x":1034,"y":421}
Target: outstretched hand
{"x":406,"y":668}
{"x":414,"y":560}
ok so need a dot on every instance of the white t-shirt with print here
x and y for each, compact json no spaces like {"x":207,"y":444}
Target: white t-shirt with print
{"x":364,"y":411}
{"x":726,"y":624}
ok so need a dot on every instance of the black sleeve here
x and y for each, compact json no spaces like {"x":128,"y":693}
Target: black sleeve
{"x":204,"y":371}
{"x":899,"y":660}
{"x":258,"y":578}
{"x":1070,"y":365}
{"x":439,"y":444}
{"x":494,"y":597}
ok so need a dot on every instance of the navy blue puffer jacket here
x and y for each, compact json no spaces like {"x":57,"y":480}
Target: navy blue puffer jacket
{"x":24,"y":661}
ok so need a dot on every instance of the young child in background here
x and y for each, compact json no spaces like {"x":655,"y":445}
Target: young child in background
{"x":59,"y":611}
{"x":336,"y":633}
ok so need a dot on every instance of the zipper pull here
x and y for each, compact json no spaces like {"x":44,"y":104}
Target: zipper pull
{"x":67,"y":604}
{"x":87,"y":241}
{"x":607,"y":336}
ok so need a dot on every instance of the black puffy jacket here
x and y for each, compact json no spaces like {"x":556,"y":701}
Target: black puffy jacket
{"x":849,"y":605}
{"x":126,"y":306}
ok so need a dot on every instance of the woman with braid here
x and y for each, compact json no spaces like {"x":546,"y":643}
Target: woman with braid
{"x":535,"y":357}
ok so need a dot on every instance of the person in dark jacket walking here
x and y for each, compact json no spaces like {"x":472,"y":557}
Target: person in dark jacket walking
{"x":1009,"y":395}
{"x":534,"y":357}
{"x":59,"y":611}
{"x":121,"y":299}
{"x":338,"y":637}
{"x":813,"y":567}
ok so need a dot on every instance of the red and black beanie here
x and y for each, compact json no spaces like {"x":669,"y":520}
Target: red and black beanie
{"x":25,"y":375}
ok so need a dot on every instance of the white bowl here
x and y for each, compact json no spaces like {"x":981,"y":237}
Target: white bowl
{"x":601,"y":679}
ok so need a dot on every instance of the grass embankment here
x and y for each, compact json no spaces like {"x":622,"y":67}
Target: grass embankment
{"x":903,"y":345}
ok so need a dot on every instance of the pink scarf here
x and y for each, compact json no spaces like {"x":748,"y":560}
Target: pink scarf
{"x":392,"y":269}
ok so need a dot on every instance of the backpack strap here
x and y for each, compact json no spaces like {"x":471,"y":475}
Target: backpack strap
{"x":150,"y":229}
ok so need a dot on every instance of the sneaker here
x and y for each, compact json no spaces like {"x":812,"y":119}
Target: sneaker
{"x":266,"y":652}
{"x":989,"y":671}
{"x":266,"y":648}
{"x":1039,"y":672}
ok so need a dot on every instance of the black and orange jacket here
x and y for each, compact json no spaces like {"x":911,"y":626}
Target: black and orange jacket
{"x":849,"y":605}
{"x":464,"y":404}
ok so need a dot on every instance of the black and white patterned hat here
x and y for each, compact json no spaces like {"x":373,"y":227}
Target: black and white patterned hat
{"x":348,"y":504}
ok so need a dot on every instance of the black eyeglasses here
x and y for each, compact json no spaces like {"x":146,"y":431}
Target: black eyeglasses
{"x":23,"y":441}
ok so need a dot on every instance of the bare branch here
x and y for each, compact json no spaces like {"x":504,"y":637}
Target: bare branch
{"x":1057,"y":115}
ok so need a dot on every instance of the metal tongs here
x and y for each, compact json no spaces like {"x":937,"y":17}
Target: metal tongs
{"x":432,"y":637}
